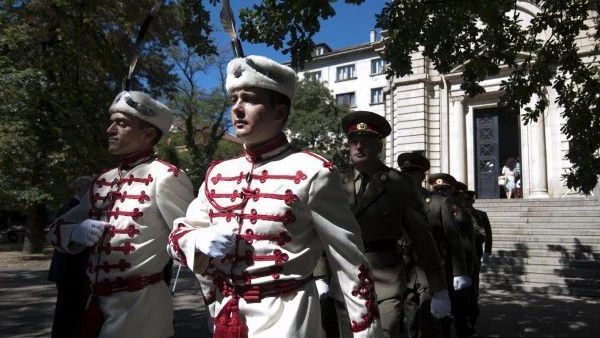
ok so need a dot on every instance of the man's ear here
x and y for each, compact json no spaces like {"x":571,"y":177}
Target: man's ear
{"x":281,"y":112}
{"x":150,"y":134}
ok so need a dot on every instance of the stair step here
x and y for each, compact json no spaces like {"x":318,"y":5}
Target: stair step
{"x":537,"y":238}
{"x":595,"y":214}
{"x":544,"y":219}
{"x":557,"y":261}
{"x":571,"y":290}
{"x":517,"y":224}
{"x":542,"y":278}
{"x":568,"y":247}
{"x":537,"y":231}
{"x":540,"y":201}
{"x":551,"y":271}
{"x":544,"y":245}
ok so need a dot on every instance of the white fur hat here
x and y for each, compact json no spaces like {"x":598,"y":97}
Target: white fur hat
{"x":142,"y":106}
{"x":261,"y":72}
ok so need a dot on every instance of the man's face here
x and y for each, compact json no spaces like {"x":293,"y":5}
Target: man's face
{"x":444,"y":189}
{"x":252,"y":116}
{"x":468,"y":202}
{"x":126,"y":135}
{"x":417,"y":174}
{"x":459,"y":198}
{"x":364,"y":148}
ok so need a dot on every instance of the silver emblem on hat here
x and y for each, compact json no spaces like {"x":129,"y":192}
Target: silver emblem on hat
{"x":146,"y":111}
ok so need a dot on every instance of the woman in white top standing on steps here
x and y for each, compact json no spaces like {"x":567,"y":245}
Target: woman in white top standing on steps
{"x":510,"y":171}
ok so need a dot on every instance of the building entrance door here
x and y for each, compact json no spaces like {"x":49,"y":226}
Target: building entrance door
{"x":497,"y":137}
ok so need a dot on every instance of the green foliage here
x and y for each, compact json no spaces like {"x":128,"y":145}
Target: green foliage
{"x":201,"y":116}
{"x":62,"y":62}
{"x":272,"y":22}
{"x":314,"y":122}
{"x":485,"y":39}
{"x":484,"y":36}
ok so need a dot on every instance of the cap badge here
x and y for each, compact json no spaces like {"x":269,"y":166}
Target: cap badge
{"x":439,"y":181}
{"x":146,"y":111}
{"x":238,"y":71}
{"x":361,"y":126}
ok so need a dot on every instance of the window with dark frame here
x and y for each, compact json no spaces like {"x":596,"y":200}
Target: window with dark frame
{"x":377,"y":95}
{"x":347,"y":99}
{"x":313,"y":76}
{"x":344,"y":73}
{"x":377,"y":66}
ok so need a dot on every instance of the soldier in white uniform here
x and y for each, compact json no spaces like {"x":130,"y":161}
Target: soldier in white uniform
{"x":126,"y":220}
{"x":284,"y":207}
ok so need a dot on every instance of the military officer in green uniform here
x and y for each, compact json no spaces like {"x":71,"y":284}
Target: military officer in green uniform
{"x":439,"y":210}
{"x":387,"y":206}
{"x":461,"y":300}
{"x":483,"y":235}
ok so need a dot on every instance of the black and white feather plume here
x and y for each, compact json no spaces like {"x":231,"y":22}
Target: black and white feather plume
{"x":228,"y":22}
{"x":140,"y":41}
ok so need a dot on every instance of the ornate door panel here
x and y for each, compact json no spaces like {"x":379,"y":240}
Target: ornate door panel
{"x":486,"y":153}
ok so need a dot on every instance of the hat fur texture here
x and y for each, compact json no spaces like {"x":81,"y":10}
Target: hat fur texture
{"x":142,"y":106}
{"x":261,"y":72}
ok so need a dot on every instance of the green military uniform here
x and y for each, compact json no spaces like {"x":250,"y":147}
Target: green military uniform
{"x":438,"y":208}
{"x":483,"y":235}
{"x":388,"y":209}
{"x":461,"y":306}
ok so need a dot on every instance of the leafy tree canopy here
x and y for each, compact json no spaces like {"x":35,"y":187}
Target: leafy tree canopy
{"x":62,"y":63}
{"x":314,"y":122}
{"x":482,"y":37}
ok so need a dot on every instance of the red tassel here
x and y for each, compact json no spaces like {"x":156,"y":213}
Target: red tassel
{"x":228,"y":322}
{"x":92,"y":320}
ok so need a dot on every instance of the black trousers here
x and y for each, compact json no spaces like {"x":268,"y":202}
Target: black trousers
{"x":461,"y":304}
{"x":71,"y":301}
{"x":418,"y":320}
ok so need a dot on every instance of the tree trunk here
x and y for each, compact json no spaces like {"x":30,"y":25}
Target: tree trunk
{"x":37,"y":219}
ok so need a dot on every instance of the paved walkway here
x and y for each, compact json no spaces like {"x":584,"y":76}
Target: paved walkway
{"x":27,"y":303}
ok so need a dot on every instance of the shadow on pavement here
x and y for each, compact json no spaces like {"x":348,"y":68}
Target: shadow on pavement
{"x":27,"y":305}
{"x":27,"y":301}
{"x":515,"y":314}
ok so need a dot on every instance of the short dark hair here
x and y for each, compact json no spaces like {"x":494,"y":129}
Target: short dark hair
{"x":147,"y":125}
{"x":276,"y":98}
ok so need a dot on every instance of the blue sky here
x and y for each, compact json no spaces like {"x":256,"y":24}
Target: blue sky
{"x":350,"y":26}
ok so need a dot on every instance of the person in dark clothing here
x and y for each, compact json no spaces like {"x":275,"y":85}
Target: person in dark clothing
{"x":461,"y":306}
{"x":439,"y":210}
{"x":483,"y":235}
{"x":68,"y":272}
{"x":387,"y":206}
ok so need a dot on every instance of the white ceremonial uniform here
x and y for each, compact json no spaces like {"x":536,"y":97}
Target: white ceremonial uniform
{"x":140,"y":201}
{"x":286,"y":207}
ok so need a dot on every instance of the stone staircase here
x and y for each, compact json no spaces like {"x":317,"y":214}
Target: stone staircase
{"x":544,"y":245}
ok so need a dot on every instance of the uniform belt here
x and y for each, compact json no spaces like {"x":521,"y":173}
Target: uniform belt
{"x":228,"y":322}
{"x":134,"y":283}
{"x":381,"y":245}
{"x":254,"y":293}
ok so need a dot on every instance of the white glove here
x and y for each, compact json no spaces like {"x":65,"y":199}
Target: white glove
{"x":440,"y":304}
{"x":214,"y":241}
{"x":88,"y":232}
{"x":322,"y":287}
{"x":461,"y":282}
{"x":486,"y":258}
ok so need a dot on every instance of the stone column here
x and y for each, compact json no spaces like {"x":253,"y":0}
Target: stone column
{"x":458,"y":140}
{"x":538,"y":177}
